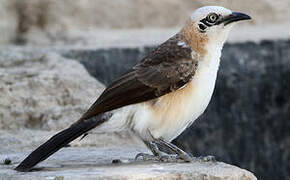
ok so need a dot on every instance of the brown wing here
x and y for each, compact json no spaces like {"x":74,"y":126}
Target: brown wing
{"x":167,"y":68}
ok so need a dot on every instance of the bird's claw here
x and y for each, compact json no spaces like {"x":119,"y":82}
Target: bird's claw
{"x":186,"y":157}
{"x":146,"y":157}
{"x":171,"y":159}
{"x":163,"y":158}
{"x":207,"y":158}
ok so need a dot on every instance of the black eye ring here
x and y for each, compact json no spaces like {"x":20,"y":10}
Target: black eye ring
{"x":201,"y":27}
{"x":212,"y":18}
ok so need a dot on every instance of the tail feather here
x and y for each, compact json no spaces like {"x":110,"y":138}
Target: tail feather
{"x":60,"y":140}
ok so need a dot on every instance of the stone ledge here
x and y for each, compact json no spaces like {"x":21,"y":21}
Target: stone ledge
{"x":91,"y":163}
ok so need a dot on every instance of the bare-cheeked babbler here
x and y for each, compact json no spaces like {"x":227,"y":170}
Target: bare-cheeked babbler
{"x":160,"y":96}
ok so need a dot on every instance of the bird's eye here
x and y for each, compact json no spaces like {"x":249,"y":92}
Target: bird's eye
{"x":212,"y":18}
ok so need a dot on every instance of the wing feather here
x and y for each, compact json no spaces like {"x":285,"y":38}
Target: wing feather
{"x":168,"y":68}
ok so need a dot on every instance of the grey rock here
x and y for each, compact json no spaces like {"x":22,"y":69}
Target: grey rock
{"x":96,"y":163}
{"x":43,"y":91}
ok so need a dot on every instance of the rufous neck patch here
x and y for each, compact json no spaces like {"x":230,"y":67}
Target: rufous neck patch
{"x":196,"y":40}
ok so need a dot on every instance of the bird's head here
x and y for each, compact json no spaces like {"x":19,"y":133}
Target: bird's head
{"x":211,"y":24}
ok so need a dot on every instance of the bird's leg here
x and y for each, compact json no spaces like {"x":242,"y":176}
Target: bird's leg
{"x":181,"y":155}
{"x":163,"y":154}
{"x":154,"y":149}
{"x":185,"y":156}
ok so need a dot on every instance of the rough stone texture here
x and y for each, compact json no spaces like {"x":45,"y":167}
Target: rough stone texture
{"x":43,"y":91}
{"x":247,"y":121}
{"x":93,"y":163}
{"x":54,"y":21}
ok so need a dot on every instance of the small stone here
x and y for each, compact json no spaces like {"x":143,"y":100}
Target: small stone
{"x":7,"y":161}
{"x":116,"y":161}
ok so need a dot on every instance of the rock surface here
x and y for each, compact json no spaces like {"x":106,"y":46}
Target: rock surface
{"x":96,"y":163}
{"x":43,"y":91}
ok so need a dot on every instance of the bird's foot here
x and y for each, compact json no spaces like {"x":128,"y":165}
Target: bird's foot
{"x":173,"y":159}
{"x":206,"y":158}
{"x":186,"y":158}
{"x":183,"y":156}
{"x":169,"y":158}
{"x":146,"y":157}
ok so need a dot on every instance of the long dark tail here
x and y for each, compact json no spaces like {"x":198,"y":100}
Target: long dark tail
{"x":60,"y":140}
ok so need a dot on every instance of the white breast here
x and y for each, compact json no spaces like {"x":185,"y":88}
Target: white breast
{"x":174,"y":112}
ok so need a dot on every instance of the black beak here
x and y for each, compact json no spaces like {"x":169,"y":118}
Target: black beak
{"x":235,"y":16}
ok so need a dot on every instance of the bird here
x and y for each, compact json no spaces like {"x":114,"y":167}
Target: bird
{"x":162,"y":95}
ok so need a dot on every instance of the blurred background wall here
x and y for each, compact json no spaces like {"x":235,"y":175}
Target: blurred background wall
{"x":54,"y":20}
{"x":247,"y":122}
